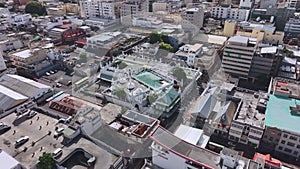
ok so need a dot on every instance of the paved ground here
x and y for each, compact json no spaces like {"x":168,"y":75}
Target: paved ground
{"x":29,"y":127}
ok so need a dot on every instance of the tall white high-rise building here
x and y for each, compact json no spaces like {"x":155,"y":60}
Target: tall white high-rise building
{"x":106,"y":9}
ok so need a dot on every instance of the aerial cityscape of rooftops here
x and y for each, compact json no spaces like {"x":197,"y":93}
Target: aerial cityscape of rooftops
{"x":149,"y":84}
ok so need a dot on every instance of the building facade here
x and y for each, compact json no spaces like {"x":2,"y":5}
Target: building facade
{"x":222,"y":12}
{"x":106,"y":9}
{"x":193,"y":16}
{"x":292,"y":26}
{"x":132,"y":7}
{"x":237,"y":56}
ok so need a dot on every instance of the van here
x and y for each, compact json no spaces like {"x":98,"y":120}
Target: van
{"x":57,"y":153}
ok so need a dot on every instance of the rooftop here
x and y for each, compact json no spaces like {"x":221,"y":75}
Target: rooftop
{"x":196,"y":155}
{"x":150,"y":79}
{"x":239,"y":39}
{"x":7,"y":161}
{"x":278,"y":113}
{"x":10,"y":98}
{"x":192,"y":135}
{"x":249,"y":112}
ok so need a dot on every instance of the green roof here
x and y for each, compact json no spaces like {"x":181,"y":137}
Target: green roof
{"x":69,"y":131}
{"x":149,"y":79}
{"x":168,"y":98}
{"x":278,"y":114}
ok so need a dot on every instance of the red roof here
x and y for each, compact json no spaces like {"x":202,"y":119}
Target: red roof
{"x":268,"y":159}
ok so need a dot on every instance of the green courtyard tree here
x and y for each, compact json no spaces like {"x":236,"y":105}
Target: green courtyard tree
{"x":180,"y":74}
{"x":120,"y":93}
{"x":154,"y":37}
{"x":34,"y":7}
{"x":46,"y":161}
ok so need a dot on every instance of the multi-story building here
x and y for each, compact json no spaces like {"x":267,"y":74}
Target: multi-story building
{"x":17,"y":20}
{"x":193,"y":16}
{"x":188,"y":53}
{"x":106,"y":9}
{"x":132,"y":7}
{"x":246,"y":3}
{"x":267,"y":4}
{"x":292,"y":26}
{"x":28,"y":56}
{"x":244,"y":59}
{"x":282,"y":118}
{"x":227,"y":12}
{"x":238,"y":54}
{"x":230,"y":28}
{"x":248,"y":123}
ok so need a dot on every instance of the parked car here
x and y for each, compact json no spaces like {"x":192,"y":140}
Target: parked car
{"x":58,"y":85}
{"x":47,"y":73}
{"x":57,"y":153}
{"x":58,"y":132}
{"x":31,"y":114}
{"x":22,"y":140}
{"x":4,"y":128}
{"x":52,"y":72}
{"x":65,"y":120}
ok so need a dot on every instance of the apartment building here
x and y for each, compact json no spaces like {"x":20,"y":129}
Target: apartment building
{"x":188,"y":53}
{"x":17,"y":20}
{"x":248,"y":123}
{"x":193,"y":16}
{"x":131,"y":7}
{"x":243,"y":58}
{"x":238,"y":54}
{"x":106,"y":9}
{"x":227,"y":12}
{"x":292,"y":26}
{"x":282,"y":118}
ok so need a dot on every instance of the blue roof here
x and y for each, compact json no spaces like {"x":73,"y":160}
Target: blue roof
{"x":278,"y":114}
{"x":265,"y":27}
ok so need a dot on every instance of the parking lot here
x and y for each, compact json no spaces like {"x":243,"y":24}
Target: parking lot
{"x":37,"y":129}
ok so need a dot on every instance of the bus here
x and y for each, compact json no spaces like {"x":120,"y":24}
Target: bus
{"x":55,"y":96}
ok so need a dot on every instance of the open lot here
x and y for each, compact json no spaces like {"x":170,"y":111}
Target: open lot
{"x":21,"y":126}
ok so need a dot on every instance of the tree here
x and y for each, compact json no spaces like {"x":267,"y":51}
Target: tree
{"x":166,"y":46}
{"x":34,"y":7}
{"x":151,"y":98}
{"x":46,"y":161}
{"x":82,"y":57}
{"x":154,"y":37}
{"x":179,"y":74}
{"x":120,"y":93}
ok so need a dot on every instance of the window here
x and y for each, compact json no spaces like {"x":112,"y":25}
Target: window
{"x":280,"y":148}
{"x":290,"y":144}
{"x":287,"y":150}
{"x":285,"y":135}
{"x":271,"y":139}
{"x":295,"y":153}
{"x":293,"y":138}
{"x":282,"y":142}
{"x":298,"y":146}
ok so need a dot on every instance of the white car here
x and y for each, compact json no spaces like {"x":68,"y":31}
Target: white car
{"x":58,"y":132}
{"x":52,"y":72}
{"x":47,"y":73}
{"x":22,"y":140}
{"x":31,"y":114}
